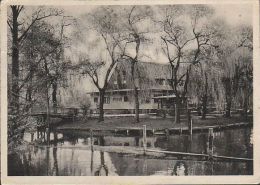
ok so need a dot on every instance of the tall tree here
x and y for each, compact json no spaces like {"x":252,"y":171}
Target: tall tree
{"x":61,"y":64}
{"x":104,"y":25}
{"x":19,"y":28}
{"x":235,"y":55}
{"x":28,"y":50}
{"x":178,"y":37}
{"x":204,"y":83}
{"x":135,"y":16}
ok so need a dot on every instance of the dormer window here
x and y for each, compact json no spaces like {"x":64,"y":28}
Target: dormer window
{"x":159,"y":81}
{"x":169,"y":81}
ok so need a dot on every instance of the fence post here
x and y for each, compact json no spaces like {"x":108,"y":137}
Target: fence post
{"x":144,"y":138}
{"x":91,"y":140}
{"x":210,"y":143}
{"x":189,"y":122}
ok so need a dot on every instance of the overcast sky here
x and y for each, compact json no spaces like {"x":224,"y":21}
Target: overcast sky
{"x":232,"y":13}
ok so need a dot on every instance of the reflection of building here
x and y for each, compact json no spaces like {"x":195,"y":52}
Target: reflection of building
{"x":180,"y":169}
{"x":153,"y":81}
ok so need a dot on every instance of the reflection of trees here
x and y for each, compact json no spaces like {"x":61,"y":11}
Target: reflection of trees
{"x":249,"y":150}
{"x":180,"y":169}
{"x":47,"y":160}
{"x":211,"y":168}
{"x":91,"y":162}
{"x":145,"y":166}
{"x":55,"y":163}
{"x":102,"y":169}
{"x":26,"y":164}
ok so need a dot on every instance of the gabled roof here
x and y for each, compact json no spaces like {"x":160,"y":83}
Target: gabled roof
{"x":156,"y":70}
{"x":146,"y":72}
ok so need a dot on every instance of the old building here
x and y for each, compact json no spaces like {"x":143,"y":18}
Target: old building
{"x":152,"y":80}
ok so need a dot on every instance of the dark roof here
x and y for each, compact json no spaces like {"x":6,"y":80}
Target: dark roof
{"x":149,"y":69}
{"x":147,"y":73}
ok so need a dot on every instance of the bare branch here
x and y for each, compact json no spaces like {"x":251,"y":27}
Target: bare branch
{"x":9,"y":24}
{"x":37,"y":18}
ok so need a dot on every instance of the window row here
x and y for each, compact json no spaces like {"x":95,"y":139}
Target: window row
{"x":115,"y":99}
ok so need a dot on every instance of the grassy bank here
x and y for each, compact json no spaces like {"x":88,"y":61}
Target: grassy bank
{"x":151,"y":123}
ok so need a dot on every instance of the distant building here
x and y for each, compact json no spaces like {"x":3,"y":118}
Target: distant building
{"x":153,"y":81}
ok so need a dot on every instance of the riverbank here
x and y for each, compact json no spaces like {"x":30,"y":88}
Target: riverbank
{"x":152,"y":123}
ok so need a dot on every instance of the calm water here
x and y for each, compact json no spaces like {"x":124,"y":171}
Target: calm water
{"x":61,"y":159}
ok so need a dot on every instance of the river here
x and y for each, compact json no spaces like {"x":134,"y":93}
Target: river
{"x":66,"y":155}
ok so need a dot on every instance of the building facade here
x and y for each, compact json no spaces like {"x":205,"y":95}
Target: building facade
{"x":153,"y":80}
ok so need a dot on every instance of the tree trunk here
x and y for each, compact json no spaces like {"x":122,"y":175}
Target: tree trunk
{"x":30,"y":85}
{"x":177,"y":110}
{"x":205,"y":98}
{"x":245,"y":104}
{"x":101,"y":105}
{"x":15,"y":63}
{"x":54,"y":96}
{"x":29,"y":93}
{"x":228,"y":94}
{"x":136,"y":105}
{"x":228,"y":108}
{"x":136,"y":95}
{"x":48,"y":106}
{"x":204,"y":106}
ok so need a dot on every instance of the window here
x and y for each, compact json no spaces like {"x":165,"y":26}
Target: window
{"x":125,"y":99}
{"x":107,"y":100}
{"x":157,"y":94}
{"x":96,"y":99}
{"x":117,"y":99}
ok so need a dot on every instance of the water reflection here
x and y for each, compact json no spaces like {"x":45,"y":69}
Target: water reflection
{"x":62,"y":158}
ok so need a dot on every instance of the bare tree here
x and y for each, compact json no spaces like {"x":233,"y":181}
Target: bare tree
{"x":19,"y":28}
{"x":135,"y":16}
{"x":39,"y":47}
{"x":61,"y":65}
{"x":177,"y":38}
{"x":104,"y":23}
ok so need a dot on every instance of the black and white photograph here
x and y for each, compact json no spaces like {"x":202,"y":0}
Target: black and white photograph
{"x":129,"y":89}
